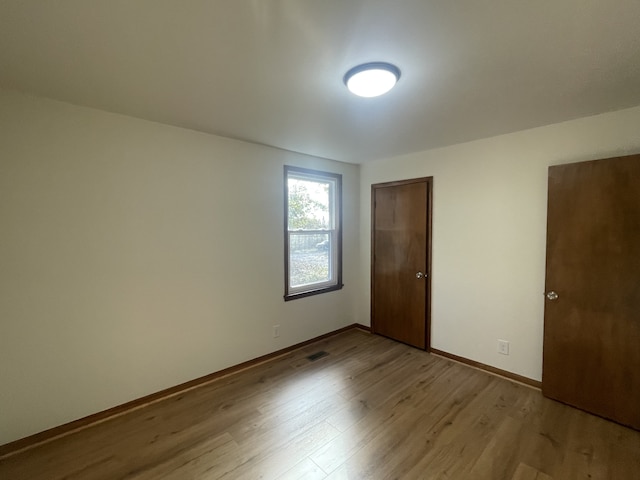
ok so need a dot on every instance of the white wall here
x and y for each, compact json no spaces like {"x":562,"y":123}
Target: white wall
{"x":136,"y":256}
{"x":489,"y":231}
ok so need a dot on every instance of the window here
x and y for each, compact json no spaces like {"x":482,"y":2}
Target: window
{"x":313,"y":236}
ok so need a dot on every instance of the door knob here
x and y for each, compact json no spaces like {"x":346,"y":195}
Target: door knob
{"x":420,"y":275}
{"x":552,"y":295}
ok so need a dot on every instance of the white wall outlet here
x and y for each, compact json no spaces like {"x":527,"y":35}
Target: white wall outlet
{"x":276,"y":331}
{"x":503,"y":347}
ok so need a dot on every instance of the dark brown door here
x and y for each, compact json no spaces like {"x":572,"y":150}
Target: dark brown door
{"x":592,"y":311}
{"x":400,"y":260}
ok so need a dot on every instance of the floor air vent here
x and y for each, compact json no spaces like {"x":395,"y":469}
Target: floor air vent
{"x":315,"y":356}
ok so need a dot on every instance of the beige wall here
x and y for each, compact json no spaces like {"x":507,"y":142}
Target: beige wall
{"x":136,"y":256}
{"x":489,"y":228}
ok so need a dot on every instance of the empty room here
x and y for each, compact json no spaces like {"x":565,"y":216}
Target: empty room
{"x":295,"y":239}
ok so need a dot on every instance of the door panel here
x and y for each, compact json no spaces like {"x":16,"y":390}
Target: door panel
{"x":400,"y":240}
{"x":592,"y":329}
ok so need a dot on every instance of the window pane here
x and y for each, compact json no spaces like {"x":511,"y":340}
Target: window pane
{"x":309,"y":206}
{"x":309,"y":258}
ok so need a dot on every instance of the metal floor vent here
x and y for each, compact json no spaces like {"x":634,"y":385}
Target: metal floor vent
{"x":315,"y":356}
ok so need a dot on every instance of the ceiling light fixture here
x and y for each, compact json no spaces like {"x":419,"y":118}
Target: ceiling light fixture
{"x":372,"y":79}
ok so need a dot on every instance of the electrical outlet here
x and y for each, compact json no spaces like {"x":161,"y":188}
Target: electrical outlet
{"x":503,"y":347}
{"x":276,"y":331}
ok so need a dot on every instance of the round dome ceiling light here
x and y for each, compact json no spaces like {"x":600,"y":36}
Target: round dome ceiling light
{"x":372,"y":79}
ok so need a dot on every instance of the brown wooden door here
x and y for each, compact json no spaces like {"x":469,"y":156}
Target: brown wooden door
{"x":592,"y":328}
{"x":400,"y":260}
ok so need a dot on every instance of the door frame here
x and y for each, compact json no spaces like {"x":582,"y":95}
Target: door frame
{"x":429,"y":210}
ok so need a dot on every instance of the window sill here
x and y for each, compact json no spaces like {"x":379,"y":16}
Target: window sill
{"x":308,"y":293}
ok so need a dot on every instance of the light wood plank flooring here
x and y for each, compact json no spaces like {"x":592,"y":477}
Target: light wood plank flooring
{"x":371,"y":409}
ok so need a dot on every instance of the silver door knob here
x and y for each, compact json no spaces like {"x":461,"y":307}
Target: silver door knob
{"x":552,"y":295}
{"x":420,"y":275}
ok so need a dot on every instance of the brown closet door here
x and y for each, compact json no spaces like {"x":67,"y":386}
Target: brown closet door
{"x":400,"y":261}
{"x":592,"y":310}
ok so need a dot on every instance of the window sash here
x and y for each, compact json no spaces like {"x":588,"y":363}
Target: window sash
{"x":332,"y":277}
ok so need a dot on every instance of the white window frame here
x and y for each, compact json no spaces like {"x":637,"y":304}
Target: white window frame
{"x":334,"y":231}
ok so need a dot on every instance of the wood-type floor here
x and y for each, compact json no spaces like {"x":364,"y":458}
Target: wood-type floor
{"x":371,"y":409}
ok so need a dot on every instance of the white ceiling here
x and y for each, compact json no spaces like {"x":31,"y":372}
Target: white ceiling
{"x":270,"y":71}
